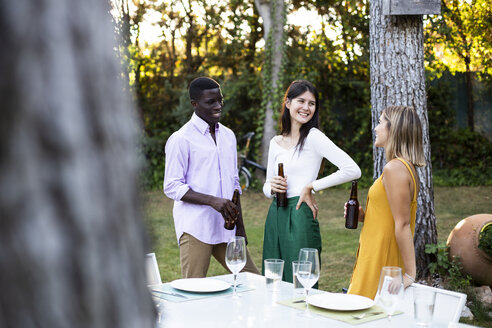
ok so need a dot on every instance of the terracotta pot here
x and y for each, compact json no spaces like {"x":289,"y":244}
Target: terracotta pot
{"x":463,"y":242}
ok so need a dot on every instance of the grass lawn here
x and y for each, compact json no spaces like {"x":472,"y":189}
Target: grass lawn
{"x":452,"y":204}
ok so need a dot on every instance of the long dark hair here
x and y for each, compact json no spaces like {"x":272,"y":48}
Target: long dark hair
{"x":294,"y":90}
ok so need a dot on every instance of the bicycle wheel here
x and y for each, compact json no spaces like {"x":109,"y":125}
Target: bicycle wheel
{"x":244,"y":178}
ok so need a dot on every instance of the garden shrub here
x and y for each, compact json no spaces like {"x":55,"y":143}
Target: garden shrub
{"x":459,"y":157}
{"x":485,"y":239}
{"x":449,"y":271}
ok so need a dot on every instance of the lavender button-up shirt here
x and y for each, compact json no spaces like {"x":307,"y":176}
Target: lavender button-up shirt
{"x":193,"y":160}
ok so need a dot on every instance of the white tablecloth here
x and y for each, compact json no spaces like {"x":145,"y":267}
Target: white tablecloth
{"x":258,"y":308}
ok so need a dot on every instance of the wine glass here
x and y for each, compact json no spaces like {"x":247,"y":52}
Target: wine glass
{"x":236,"y":257}
{"x":390,"y":290}
{"x":303,"y":274}
{"x":308,"y":280}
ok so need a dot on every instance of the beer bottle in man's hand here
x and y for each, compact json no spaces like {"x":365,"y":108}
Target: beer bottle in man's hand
{"x":230,"y":224}
{"x":352,"y":208}
{"x":281,"y":196}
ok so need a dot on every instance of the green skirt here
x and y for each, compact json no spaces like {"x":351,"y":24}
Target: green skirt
{"x":287,"y":230}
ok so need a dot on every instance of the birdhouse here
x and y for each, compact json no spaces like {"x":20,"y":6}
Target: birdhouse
{"x":411,"y":7}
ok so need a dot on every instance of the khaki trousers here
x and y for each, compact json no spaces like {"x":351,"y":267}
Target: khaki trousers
{"x":195,"y":257}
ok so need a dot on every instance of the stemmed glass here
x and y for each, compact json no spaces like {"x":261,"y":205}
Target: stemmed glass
{"x":309,"y":278}
{"x":236,"y":257}
{"x":303,"y":274}
{"x":390,"y":290}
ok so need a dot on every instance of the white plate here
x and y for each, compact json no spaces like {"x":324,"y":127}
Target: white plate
{"x":340,"y":302}
{"x":200,"y":285}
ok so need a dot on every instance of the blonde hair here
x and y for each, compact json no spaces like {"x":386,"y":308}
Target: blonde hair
{"x":405,"y":135}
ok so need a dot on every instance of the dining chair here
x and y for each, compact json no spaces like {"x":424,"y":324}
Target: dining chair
{"x":152,"y":270}
{"x":447,"y":307}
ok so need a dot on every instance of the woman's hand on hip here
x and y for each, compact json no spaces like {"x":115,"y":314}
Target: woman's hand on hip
{"x":308,"y":198}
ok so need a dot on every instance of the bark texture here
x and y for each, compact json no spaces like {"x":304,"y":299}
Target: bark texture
{"x":398,"y":78}
{"x":72,"y":241}
{"x":470,"y":107}
{"x":273,"y":21}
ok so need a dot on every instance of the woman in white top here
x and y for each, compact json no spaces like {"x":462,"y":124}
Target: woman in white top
{"x":301,"y":148}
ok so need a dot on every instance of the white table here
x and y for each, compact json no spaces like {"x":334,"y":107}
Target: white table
{"x":259,"y":308}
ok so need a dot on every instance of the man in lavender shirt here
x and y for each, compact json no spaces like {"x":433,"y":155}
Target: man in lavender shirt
{"x":201,"y":175}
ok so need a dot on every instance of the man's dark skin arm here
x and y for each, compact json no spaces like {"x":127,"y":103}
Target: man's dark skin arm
{"x":224,"y":206}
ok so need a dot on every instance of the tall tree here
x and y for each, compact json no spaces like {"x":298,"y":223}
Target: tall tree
{"x":398,"y":78}
{"x":464,"y":31}
{"x":122,"y":23}
{"x":71,"y":238}
{"x":273,"y":13}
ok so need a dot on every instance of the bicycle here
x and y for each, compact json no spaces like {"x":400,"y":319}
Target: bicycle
{"x":245,"y":176}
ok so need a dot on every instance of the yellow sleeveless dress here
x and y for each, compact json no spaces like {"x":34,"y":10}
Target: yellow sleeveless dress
{"x":377,"y":243}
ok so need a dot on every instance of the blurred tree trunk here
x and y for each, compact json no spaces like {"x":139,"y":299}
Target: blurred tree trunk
{"x":72,"y":241}
{"x":398,"y":78}
{"x":273,"y":14}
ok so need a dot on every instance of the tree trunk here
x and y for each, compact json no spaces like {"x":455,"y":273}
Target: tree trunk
{"x":398,"y":78}
{"x":272,"y":13}
{"x":124,"y":24}
{"x":469,"y":95}
{"x":72,"y":242}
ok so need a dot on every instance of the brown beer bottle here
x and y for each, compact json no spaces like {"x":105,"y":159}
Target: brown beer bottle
{"x":352,"y":208}
{"x":281,"y":196}
{"x":229,"y":225}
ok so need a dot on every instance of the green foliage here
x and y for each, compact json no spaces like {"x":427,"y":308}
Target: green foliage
{"x":151,"y":151}
{"x":462,"y":34}
{"x":467,"y":176}
{"x":182,"y":113}
{"x":459,"y":156}
{"x":482,"y":315}
{"x":450,"y":271}
{"x":441,"y":257}
{"x":225,"y":43}
{"x":241,"y":101}
{"x":485,"y":239}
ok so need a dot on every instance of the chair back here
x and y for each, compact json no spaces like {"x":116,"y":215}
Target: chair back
{"x":447,"y":307}
{"x":152,"y":270}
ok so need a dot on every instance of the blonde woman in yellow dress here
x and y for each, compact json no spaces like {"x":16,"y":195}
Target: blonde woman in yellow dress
{"x":386,"y":239}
